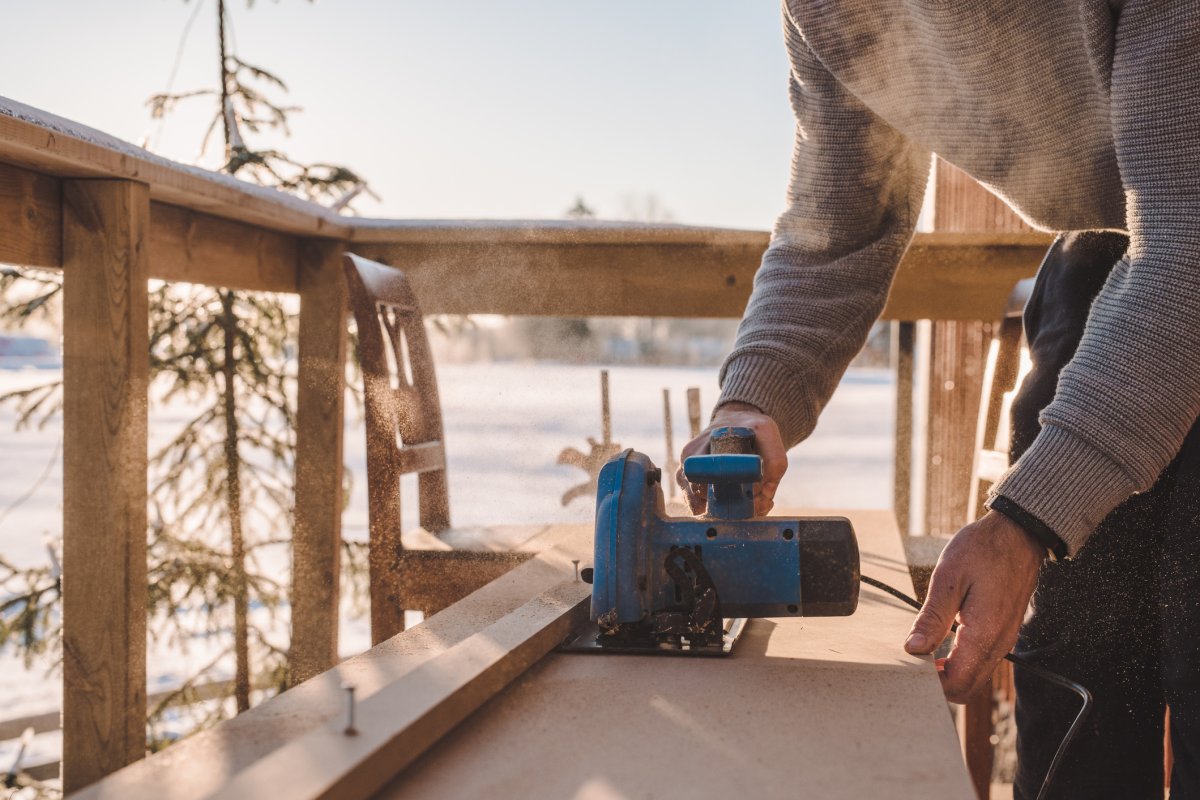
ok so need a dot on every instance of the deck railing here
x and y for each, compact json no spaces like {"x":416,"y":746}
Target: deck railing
{"x":112,"y":216}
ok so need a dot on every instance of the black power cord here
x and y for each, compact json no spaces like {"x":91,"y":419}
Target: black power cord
{"x":1033,"y":669}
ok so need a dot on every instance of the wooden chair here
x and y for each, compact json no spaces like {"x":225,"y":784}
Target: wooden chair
{"x":404,"y":435}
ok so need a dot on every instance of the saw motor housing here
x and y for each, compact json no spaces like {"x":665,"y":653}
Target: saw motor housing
{"x":658,"y":578}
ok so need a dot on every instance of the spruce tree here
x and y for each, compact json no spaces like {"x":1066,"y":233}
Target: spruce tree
{"x":221,"y":488}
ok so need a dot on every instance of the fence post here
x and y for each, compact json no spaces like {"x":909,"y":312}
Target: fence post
{"x":105,"y":375}
{"x":316,"y":543}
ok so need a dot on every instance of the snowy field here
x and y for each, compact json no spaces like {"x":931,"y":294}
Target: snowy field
{"x":505,"y":425}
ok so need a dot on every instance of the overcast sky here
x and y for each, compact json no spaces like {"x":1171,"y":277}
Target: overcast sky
{"x":454,"y":108}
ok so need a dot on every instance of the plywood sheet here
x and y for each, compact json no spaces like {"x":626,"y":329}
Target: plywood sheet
{"x":821,"y":708}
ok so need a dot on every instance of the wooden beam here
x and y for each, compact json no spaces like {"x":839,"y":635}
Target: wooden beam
{"x":52,"y":720}
{"x":200,"y":248}
{"x":675,"y":280}
{"x":963,"y":276}
{"x":30,"y":218}
{"x":943,"y":276}
{"x":316,"y":541}
{"x":44,"y":142}
{"x":106,"y":365}
{"x":423,"y":457}
{"x":394,"y":726}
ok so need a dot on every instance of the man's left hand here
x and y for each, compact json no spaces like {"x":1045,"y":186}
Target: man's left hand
{"x":985,"y":578}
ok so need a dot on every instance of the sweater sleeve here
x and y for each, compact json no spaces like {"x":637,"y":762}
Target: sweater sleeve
{"x":1128,"y":398}
{"x":853,"y":199}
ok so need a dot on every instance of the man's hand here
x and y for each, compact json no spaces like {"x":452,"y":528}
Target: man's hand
{"x":985,"y":577}
{"x":767,"y":442}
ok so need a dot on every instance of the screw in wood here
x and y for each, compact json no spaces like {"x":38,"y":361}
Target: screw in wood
{"x":350,"y":730}
{"x":575,"y":561}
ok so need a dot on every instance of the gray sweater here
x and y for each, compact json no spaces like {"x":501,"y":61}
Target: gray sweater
{"x":1083,"y":114}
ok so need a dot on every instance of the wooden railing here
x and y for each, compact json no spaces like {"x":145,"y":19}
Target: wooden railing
{"x":112,"y":216}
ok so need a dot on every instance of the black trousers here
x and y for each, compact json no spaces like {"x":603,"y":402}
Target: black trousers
{"x":1123,"y":618}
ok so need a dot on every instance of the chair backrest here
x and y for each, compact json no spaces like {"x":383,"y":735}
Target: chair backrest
{"x":403,"y":413}
{"x":999,"y":380}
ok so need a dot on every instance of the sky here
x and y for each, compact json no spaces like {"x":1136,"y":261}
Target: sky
{"x":453,"y":108}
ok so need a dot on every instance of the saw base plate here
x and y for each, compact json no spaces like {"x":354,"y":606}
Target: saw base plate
{"x":587,"y":640}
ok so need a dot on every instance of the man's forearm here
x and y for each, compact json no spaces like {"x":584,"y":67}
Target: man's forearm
{"x":853,"y":201}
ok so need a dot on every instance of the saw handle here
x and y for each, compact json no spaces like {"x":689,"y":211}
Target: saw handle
{"x":730,"y":469}
{"x":722,"y":469}
{"x":730,"y":440}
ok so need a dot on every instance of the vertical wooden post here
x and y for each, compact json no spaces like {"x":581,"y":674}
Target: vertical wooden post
{"x":958,"y":356}
{"x":105,"y":234}
{"x":903,"y":340}
{"x":693,"y":409}
{"x":316,"y":542}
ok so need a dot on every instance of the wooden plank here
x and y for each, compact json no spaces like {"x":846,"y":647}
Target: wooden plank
{"x":400,"y":722}
{"x":677,"y":280}
{"x":50,"y":144}
{"x":952,"y":276}
{"x":942,"y":276}
{"x":811,"y":707}
{"x":52,"y":720}
{"x":30,"y":218}
{"x":422,"y":457}
{"x":200,"y":248}
{"x":106,"y":365}
{"x":199,"y":765}
{"x":317,"y":539}
{"x":549,"y":231}
{"x":41,"y":723}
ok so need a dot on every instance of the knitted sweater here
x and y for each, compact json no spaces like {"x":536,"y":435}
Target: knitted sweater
{"x":1082,"y":114}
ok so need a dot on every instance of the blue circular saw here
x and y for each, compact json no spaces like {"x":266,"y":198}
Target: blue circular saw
{"x":686,"y":585}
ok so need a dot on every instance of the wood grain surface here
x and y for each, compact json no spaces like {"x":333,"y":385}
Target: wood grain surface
{"x":317,"y":538}
{"x":106,"y":365}
{"x":808,"y":708}
{"x":943,"y":276}
{"x":200,"y":248}
{"x":41,"y":141}
{"x":30,"y":218}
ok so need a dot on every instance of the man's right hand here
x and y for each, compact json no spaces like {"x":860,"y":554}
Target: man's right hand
{"x":767,"y":442}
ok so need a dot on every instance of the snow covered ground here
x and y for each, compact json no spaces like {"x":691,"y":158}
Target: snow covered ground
{"x":505,"y":425}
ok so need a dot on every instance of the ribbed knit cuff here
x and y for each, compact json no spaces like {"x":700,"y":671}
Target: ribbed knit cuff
{"x":1066,"y":483}
{"x":770,"y":385}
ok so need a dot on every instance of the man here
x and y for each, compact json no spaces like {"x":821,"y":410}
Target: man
{"x":1085,"y":116}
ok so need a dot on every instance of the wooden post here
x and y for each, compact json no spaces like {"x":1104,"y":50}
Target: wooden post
{"x":106,"y":359}
{"x":693,"y":409}
{"x":316,"y":542}
{"x":903,"y":339}
{"x":669,"y":462}
{"x":958,"y":356}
